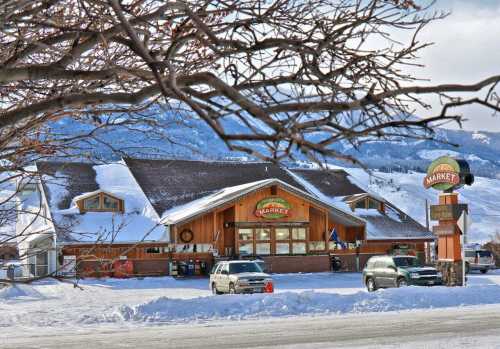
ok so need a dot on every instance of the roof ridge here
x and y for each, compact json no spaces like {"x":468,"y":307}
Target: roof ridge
{"x":227,"y":161}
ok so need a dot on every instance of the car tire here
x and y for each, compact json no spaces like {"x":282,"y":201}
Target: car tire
{"x":371,"y":286}
{"x":401,"y":282}
{"x":214,"y":289}
{"x":484,"y":271}
{"x":232,"y":290}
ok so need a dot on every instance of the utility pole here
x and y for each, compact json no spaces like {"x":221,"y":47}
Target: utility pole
{"x":427,"y":224}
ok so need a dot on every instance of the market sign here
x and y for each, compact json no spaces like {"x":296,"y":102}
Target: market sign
{"x":443,"y":174}
{"x":447,"y":212}
{"x":446,"y":173}
{"x":273,"y":208}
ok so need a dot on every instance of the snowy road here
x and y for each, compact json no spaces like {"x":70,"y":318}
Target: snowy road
{"x":321,"y":310}
{"x":445,"y":328}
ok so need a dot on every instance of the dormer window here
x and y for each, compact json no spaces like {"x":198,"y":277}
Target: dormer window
{"x":367,"y":203}
{"x":101,"y":202}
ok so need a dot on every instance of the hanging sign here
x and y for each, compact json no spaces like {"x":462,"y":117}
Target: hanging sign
{"x":447,"y":212}
{"x":443,"y":230}
{"x":446,"y":173}
{"x":273,"y":208}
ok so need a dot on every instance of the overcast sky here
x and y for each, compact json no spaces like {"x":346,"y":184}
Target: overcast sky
{"x":466,"y":50}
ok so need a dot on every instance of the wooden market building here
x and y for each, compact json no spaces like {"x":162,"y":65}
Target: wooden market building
{"x":180,"y":210}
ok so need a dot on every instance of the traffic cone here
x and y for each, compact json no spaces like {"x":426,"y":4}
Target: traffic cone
{"x":269,"y":288}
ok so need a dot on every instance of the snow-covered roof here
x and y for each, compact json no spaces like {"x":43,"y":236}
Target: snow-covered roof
{"x":66,"y":183}
{"x":392,"y":224}
{"x":178,"y":191}
{"x":224,"y":196}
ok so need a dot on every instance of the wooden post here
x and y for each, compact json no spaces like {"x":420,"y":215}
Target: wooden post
{"x":449,"y":245}
{"x":327,"y":237}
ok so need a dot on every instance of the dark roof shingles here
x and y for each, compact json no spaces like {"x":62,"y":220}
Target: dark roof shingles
{"x":331,"y":183}
{"x":170,"y":183}
{"x":79,"y":177}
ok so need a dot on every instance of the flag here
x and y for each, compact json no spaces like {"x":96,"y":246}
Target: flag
{"x":335,"y":237}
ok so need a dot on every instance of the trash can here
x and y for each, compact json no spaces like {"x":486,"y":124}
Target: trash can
{"x":203,"y":267}
{"x":182,"y":268}
{"x":336,"y":263}
{"x":191,"y":268}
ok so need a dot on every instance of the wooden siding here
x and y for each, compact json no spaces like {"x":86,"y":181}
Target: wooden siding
{"x":205,"y":227}
{"x":245,"y":207}
{"x":202,"y":228}
{"x":317,"y":225}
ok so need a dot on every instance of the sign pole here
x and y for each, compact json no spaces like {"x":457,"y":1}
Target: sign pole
{"x":464,"y":283}
{"x":447,"y":174}
{"x":464,"y":240}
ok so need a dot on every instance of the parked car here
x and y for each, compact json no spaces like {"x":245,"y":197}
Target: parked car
{"x":239,"y":277}
{"x":398,"y":271}
{"x":478,"y":259}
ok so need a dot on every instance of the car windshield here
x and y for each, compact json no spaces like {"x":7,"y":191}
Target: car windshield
{"x":250,"y":267}
{"x":483,"y":253}
{"x":404,"y":262}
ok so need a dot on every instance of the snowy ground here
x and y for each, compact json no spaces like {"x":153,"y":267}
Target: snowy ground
{"x":113,"y":303}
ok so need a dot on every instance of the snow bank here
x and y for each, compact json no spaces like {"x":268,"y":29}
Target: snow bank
{"x":168,"y":310}
{"x":17,"y":292}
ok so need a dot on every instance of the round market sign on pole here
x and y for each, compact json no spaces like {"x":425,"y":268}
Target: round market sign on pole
{"x":273,"y":208}
{"x":446,"y":173}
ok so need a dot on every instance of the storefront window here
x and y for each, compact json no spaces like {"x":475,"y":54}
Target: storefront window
{"x":282,"y":234}
{"x":263,"y":234}
{"x":299,"y":248}
{"x":263,"y":248}
{"x":246,"y":248}
{"x":298,"y":233}
{"x":282,"y":248}
{"x":245,"y":234}
{"x":317,"y":245}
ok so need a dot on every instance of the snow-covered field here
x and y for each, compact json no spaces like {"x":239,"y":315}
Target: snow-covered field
{"x":128,"y":303}
{"x":406,"y":191}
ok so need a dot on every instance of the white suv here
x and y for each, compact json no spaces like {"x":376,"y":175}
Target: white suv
{"x":479,"y":259}
{"x":239,"y":277}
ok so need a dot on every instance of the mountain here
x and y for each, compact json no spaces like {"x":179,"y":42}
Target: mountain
{"x":480,"y":149}
{"x":183,"y":137}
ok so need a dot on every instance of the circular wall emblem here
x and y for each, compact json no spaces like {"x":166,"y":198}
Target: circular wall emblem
{"x":443,"y":174}
{"x":186,"y":236}
{"x":273,"y":208}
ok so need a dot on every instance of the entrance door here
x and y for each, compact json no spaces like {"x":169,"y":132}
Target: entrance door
{"x":39,"y":264}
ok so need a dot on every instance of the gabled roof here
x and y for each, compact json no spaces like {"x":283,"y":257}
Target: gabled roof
{"x":392,"y":225}
{"x":228,"y":195}
{"x":171,"y":183}
{"x":65,"y":182}
{"x":337,"y":187}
